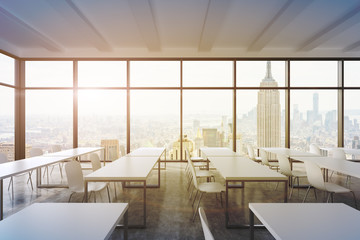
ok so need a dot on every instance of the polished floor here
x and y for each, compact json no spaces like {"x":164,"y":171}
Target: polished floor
{"x":169,"y":209}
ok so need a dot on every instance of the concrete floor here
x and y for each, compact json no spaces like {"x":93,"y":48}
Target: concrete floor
{"x":169,"y":209}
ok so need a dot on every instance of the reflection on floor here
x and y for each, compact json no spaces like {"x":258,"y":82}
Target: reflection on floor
{"x":169,"y":209}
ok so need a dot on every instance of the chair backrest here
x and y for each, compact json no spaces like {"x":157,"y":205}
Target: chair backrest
{"x":36,"y":152}
{"x":95,"y":161}
{"x":284,"y":164}
{"x":263,"y":156}
{"x":192,"y":169}
{"x":314,"y":175}
{"x":3,"y":158}
{"x":205,"y":225}
{"x":338,"y":153}
{"x":315,"y":149}
{"x":251,"y":152}
{"x":55,"y":148}
{"x":74,"y":176}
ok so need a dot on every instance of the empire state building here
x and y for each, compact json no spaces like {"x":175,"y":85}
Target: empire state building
{"x":268,"y":112}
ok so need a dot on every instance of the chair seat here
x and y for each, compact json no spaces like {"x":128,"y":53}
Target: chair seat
{"x":200,"y":164}
{"x":211,"y":187}
{"x":332,"y":187}
{"x":92,"y":186}
{"x":204,"y":173}
{"x":296,"y":173}
{"x":257,"y":159}
{"x":273,"y":164}
{"x":197,"y":159}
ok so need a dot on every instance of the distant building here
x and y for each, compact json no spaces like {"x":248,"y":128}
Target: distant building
{"x":186,"y":144}
{"x":268,"y":113}
{"x":210,"y":137}
{"x":9,"y":150}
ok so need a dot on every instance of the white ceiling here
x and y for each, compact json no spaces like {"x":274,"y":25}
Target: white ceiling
{"x":180,"y":28}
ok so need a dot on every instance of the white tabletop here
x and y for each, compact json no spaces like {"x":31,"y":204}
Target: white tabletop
{"x":125,"y":168}
{"x":13,"y":168}
{"x":346,"y":150}
{"x":63,"y":221}
{"x":299,"y":221}
{"x":140,"y":152}
{"x":242,"y":168}
{"x":218,"y":152}
{"x":74,"y":152}
{"x":289,"y":152}
{"x":335,"y":164}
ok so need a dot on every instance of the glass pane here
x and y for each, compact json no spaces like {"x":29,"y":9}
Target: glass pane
{"x":207,"y":119}
{"x":351,"y":119}
{"x":208,"y":73}
{"x":102,"y":117}
{"x":260,"y":120}
{"x":7,"y":122}
{"x":313,"y":73}
{"x":155,"y":74}
{"x":252,"y":73}
{"x":49,"y":73}
{"x":155,"y":120}
{"x":352,"y":73}
{"x":102,"y":73}
{"x":313,"y":117}
{"x":49,"y":119}
{"x":7,"y":69}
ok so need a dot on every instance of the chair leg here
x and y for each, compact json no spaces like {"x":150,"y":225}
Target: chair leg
{"x":30,"y":179}
{"x":10,"y":183}
{"x":328,"y":198}
{"x":194,"y":198}
{"x":306,"y":194}
{"x":291,"y":188}
{"x":221,"y":201}
{"x":354,"y":199}
{"x":196,"y":210}
{"x":107,"y":188}
{"x":71,"y":196}
{"x":315,"y":193}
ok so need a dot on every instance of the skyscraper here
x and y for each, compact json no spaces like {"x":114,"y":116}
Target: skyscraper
{"x":268,"y":112}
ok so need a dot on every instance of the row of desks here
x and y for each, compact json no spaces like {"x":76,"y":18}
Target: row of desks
{"x":236,"y":168}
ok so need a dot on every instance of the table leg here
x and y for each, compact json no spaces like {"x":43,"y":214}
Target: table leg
{"x":251,"y":225}
{"x":38,"y":177}
{"x":145,"y":203}
{"x":1,"y":200}
{"x":159,"y":173}
{"x":126,"y":225}
{"x":285,"y":191}
{"x":86,"y":191}
{"x":227,"y":204}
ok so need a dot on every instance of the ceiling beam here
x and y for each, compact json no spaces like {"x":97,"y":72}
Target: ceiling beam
{"x":144,"y":17}
{"x":354,"y":47}
{"x":215,"y":14}
{"x":283,"y":17}
{"x":100,"y":43}
{"x":349,"y":19}
{"x":48,"y":43}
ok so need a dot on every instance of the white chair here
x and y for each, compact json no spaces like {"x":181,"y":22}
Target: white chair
{"x":251,"y":153}
{"x":56,"y":148}
{"x":205,"y":225}
{"x":313,"y":148}
{"x":285,"y":168}
{"x":205,"y":187}
{"x":265,"y":160}
{"x":316,"y":179}
{"x":76,"y":181}
{"x":339,"y":154}
{"x":95,"y":161}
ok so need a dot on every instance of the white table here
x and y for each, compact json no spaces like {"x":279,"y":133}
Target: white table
{"x":149,"y":152}
{"x":241,"y":169}
{"x":126,"y":169}
{"x":218,"y":152}
{"x":17,"y":167}
{"x":310,"y":221}
{"x":290,"y":153}
{"x":71,"y":221}
{"x":335,"y":164}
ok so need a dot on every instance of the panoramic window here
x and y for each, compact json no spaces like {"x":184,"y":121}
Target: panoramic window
{"x":102,"y":117}
{"x":208,"y":73}
{"x":252,"y":73}
{"x":352,"y":73}
{"x":207,"y":119}
{"x":313,"y":116}
{"x":155,"y":73}
{"x":313,"y":73}
{"x":49,"y":73}
{"x":7,"y":69}
{"x":7,"y":129}
{"x":102,"y":74}
{"x":49,"y":119}
{"x":351,"y":119}
{"x":155,"y":120}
